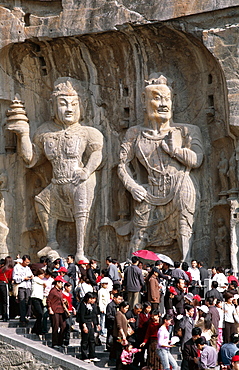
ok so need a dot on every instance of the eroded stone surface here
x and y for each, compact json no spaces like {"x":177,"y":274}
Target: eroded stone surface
{"x":166,"y":196}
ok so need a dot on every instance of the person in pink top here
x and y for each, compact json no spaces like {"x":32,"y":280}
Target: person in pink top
{"x":127,"y":355}
{"x":163,"y":347}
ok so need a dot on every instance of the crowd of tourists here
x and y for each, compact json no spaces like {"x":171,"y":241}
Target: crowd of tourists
{"x":142,"y":311}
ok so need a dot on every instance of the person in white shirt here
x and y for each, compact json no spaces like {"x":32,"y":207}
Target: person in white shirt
{"x":48,"y":280}
{"x":83,"y":287}
{"x":221,"y":280}
{"x":22,"y":275}
{"x":195,"y":273}
{"x":37,"y":301}
{"x":104,"y":300}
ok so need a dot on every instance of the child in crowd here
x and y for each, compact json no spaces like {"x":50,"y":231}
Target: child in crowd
{"x":127,"y":356}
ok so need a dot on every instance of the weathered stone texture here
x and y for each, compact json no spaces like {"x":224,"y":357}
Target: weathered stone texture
{"x":18,"y":359}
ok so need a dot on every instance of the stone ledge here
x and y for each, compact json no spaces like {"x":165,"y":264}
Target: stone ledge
{"x":43,"y":353}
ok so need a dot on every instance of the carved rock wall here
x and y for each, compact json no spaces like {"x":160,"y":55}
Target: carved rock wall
{"x":111,"y":47}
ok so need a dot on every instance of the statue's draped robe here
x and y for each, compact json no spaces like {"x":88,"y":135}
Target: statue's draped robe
{"x":172,"y":191}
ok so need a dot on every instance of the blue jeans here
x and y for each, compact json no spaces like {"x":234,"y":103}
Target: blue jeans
{"x":103,"y":330}
{"x":167,"y":359}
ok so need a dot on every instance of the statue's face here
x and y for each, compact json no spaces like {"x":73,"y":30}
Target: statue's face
{"x":158,"y":103}
{"x":67,"y":109}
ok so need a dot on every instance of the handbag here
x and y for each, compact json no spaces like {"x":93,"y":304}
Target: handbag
{"x":97,"y":339}
{"x":236,"y":317}
{"x":130,"y":331}
{"x":15,"y":289}
{"x":66,"y":312}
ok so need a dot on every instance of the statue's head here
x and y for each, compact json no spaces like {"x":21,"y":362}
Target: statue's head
{"x":157,"y":97}
{"x":220,"y":222}
{"x":66,"y":103}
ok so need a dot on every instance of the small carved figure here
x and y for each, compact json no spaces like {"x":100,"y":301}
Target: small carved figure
{"x":222,"y":241}
{"x":167,"y":197}
{"x":232,"y":172}
{"x":222,"y":170}
{"x":75,"y":153}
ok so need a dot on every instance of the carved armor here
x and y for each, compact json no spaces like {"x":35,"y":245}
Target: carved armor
{"x":168,"y":208}
{"x":65,"y":149}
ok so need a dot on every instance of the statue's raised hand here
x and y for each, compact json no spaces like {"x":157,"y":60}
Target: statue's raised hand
{"x":19,"y":127}
{"x":139,"y":193}
{"x":168,"y":146}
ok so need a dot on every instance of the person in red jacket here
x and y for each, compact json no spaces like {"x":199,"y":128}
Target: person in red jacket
{"x":5,"y":277}
{"x":71,"y":309}
{"x":144,"y":318}
{"x":151,"y":337}
{"x":56,"y":310}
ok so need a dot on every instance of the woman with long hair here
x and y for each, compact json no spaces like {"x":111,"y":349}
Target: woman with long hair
{"x":5,"y":278}
{"x":144,"y":318}
{"x":150,"y":340}
{"x":85,"y":318}
{"x":163,"y":346}
{"x":230,"y":317}
{"x":120,"y":331}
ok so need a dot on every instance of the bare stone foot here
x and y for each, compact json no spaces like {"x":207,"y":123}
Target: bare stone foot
{"x":80,"y":256}
{"x":53,"y":255}
{"x":48,"y":250}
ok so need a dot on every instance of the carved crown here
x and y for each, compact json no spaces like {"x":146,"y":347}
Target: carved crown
{"x":161,"y":80}
{"x":64,"y":87}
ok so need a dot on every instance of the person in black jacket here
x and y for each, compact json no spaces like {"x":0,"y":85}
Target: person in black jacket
{"x":86,"y":318}
{"x":111,"y":310}
{"x":178,"y":300}
{"x":71,"y":270}
{"x":186,"y":324}
{"x":190,"y":351}
{"x":214,"y":292}
{"x":203,"y":272}
{"x":91,"y":274}
{"x":133,"y":282}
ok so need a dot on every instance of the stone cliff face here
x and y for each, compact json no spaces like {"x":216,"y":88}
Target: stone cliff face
{"x":111,"y":47}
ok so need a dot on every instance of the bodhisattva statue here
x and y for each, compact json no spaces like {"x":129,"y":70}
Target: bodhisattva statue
{"x":222,"y":170}
{"x":232,"y":171}
{"x":155,"y":163}
{"x":222,"y":242}
{"x":75,"y":153}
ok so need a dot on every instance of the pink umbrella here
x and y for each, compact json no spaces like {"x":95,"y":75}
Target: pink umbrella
{"x":146,"y":255}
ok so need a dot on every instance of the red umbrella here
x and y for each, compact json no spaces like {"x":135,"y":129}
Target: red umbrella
{"x":146,"y":255}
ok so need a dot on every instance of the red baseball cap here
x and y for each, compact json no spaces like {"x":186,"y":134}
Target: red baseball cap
{"x":83,"y":262}
{"x":62,"y":269}
{"x":60,"y":278}
{"x":235,"y":358}
{"x":173,"y":291}
{"x":197,"y":297}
